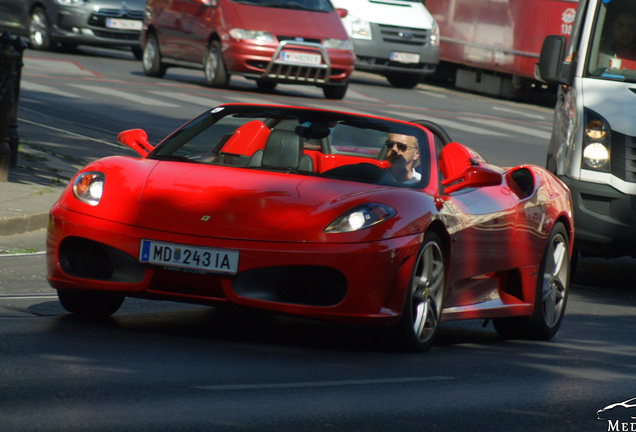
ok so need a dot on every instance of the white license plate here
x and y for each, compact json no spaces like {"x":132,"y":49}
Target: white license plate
{"x":297,"y":57}
{"x":403,"y":57}
{"x":123,"y":24}
{"x":189,"y":257}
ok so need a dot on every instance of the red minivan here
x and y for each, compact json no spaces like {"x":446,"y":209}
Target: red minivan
{"x":270,"y":41}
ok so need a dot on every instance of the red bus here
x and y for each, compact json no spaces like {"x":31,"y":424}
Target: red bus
{"x":492,"y":45}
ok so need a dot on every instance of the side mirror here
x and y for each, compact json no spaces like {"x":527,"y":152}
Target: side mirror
{"x":552,"y":68}
{"x":342,"y":12}
{"x":136,"y":139}
{"x":474,"y":176}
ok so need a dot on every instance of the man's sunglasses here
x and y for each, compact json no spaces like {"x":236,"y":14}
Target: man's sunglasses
{"x":400,"y":145}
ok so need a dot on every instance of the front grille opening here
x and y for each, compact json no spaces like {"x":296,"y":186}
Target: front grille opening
{"x":302,"y":285}
{"x":88,"y":259}
{"x":596,"y":204}
{"x":85,"y":258}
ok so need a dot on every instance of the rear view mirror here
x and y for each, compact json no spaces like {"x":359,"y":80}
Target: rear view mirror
{"x":136,"y":139}
{"x":552,"y":68}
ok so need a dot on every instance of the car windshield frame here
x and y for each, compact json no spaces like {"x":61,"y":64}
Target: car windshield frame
{"x":332,"y":139}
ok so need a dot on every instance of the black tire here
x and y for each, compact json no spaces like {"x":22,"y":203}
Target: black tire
{"x":214,"y":68}
{"x":90,"y":303}
{"x":336,"y":92}
{"x":39,"y":30}
{"x":407,"y":81}
{"x":424,"y":297}
{"x":151,"y":58}
{"x":137,"y":52}
{"x":266,"y":85}
{"x":550,"y":296}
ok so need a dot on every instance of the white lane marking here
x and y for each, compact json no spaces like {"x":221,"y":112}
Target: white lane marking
{"x":323,"y":383}
{"x":29,"y":86}
{"x":133,"y":97}
{"x":512,"y":127}
{"x":73,"y":133}
{"x":521,"y":113}
{"x":27,"y":296}
{"x":185,"y":97}
{"x":430,"y":93}
{"x":449,"y":124}
{"x":22,"y":254}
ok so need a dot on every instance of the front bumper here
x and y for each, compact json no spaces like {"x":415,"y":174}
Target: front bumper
{"x":257,"y":61}
{"x":605,"y":219}
{"x":86,"y":26}
{"x":359,"y":283}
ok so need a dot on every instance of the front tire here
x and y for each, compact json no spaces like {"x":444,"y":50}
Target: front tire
{"x":336,"y":92}
{"x":214,"y":67}
{"x":406,"y":81}
{"x":550,"y":296}
{"x":424,"y":298}
{"x":39,"y":30}
{"x":151,"y":58}
{"x":90,"y":303}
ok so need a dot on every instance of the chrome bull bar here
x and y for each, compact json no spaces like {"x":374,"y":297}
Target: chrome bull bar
{"x":278,"y":69}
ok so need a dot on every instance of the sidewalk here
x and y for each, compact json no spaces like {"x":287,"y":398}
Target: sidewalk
{"x":34,"y":185}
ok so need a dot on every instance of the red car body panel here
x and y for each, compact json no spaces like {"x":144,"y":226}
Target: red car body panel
{"x":277,"y":220}
{"x":185,"y":28}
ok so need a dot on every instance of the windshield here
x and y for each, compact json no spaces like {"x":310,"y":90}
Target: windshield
{"x":308,"y":5}
{"x":302,"y":141}
{"x":613,"y":43}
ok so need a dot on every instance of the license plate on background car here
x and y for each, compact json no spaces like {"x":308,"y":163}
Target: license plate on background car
{"x":297,"y":57}
{"x":189,"y":257}
{"x":123,"y":24}
{"x":403,"y":57}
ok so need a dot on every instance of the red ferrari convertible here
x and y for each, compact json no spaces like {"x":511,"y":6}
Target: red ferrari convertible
{"x":318,"y":214}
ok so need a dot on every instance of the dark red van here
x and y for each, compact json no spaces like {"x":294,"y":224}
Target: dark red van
{"x":270,"y":41}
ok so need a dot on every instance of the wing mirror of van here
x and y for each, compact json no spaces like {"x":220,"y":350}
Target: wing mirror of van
{"x":342,"y":12}
{"x":552,"y":68}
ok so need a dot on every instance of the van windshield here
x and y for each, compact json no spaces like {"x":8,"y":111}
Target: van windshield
{"x":613,"y":43}
{"x":307,"y":5}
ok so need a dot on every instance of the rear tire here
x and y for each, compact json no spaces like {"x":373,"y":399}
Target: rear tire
{"x":265,"y":85}
{"x":90,"y":303}
{"x":151,"y":59}
{"x":424,"y":298}
{"x":550,"y":296}
{"x":137,"y":52}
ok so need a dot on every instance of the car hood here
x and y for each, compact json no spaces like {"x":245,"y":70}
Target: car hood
{"x":289,"y":22}
{"x":233,"y":202}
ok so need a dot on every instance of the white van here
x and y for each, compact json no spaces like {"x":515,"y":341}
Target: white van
{"x":398,"y":39}
{"x":593,"y":144}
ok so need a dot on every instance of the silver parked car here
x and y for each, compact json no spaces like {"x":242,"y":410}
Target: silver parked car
{"x":47,"y":23}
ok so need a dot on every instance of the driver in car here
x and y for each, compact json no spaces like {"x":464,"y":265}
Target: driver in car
{"x":404,"y":156}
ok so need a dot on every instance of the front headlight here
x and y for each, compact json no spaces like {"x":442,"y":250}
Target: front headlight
{"x":338,"y":44}
{"x":358,"y":28}
{"x":435,"y":34}
{"x":251,"y":35}
{"x":360,"y":217}
{"x":88,"y":187}
{"x":70,"y":2}
{"x":596,"y":142}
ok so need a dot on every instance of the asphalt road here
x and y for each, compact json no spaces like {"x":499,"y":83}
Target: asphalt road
{"x":157,"y":366}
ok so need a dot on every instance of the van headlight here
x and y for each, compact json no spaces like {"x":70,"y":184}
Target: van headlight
{"x":358,"y":28}
{"x":434,"y":34}
{"x":596,"y":142}
{"x":361,"y":217}
{"x":88,"y":187}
